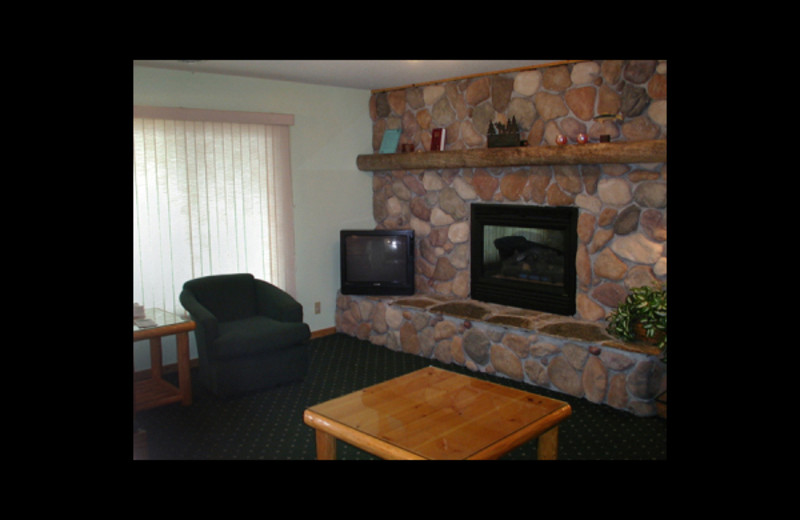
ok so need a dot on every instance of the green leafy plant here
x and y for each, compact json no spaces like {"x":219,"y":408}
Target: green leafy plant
{"x":645,"y":306}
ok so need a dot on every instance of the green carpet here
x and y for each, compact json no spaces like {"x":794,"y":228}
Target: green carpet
{"x":268,"y":425}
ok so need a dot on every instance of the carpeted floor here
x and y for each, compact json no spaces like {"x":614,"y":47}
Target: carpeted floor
{"x":268,"y":425}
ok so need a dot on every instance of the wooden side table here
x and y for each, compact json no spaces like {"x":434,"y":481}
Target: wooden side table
{"x":156,"y":391}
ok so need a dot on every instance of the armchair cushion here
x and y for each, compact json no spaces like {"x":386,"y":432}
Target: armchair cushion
{"x":256,"y":335}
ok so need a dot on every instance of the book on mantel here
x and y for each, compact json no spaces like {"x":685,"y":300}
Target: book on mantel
{"x":437,"y":139}
{"x":390,"y":139}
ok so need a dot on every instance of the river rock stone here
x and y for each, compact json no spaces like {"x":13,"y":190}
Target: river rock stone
{"x":608,"y":265}
{"x":505,"y":362}
{"x":501,"y":92}
{"x":528,"y":82}
{"x":639,"y":71}
{"x":645,"y":380}
{"x":382,"y":107}
{"x":444,"y":330}
{"x":627,"y":221}
{"x":595,"y":380}
{"x":477,"y":91}
{"x":458,"y":232}
{"x":444,"y":270}
{"x":409,"y":341}
{"x":523,"y":111}
{"x":452,"y":204}
{"x":585,"y":72}
{"x":556,"y":78}
{"x":575,"y":355}
{"x":511,"y":185}
{"x":581,"y":102}
{"x":615,"y":192}
{"x":394,"y":317}
{"x":550,"y":106}
{"x":640,"y":129}
{"x":482,"y":115}
{"x":464,"y":189}
{"x":634,"y":100}
{"x":615,"y":360}
{"x":654,"y":225}
{"x":637,"y":248}
{"x":565,"y":377}
{"x":651,"y":194}
{"x":442,"y":113}
{"x":432,"y":93}
{"x":476,"y":345}
{"x":485,"y":184}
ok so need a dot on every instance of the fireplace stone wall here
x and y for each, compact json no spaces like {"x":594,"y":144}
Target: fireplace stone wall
{"x":621,"y":227}
{"x":622,"y":222}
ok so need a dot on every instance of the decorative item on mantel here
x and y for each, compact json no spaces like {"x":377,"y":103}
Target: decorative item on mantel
{"x":438,"y":139}
{"x":500,"y":135}
{"x":606,"y":138}
{"x":390,"y":139}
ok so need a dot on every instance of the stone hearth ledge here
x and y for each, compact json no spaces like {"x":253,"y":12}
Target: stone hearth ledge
{"x":557,"y":352}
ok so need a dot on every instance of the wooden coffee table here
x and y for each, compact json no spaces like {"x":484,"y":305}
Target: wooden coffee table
{"x":438,"y":415}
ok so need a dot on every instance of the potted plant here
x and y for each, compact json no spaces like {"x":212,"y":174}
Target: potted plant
{"x":642,"y":317}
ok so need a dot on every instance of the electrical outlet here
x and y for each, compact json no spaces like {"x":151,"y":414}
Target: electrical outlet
{"x":317,"y":308}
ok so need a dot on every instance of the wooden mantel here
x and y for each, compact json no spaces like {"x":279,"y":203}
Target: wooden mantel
{"x":590,"y":153}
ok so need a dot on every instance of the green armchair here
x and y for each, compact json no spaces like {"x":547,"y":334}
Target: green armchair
{"x":250,"y":334}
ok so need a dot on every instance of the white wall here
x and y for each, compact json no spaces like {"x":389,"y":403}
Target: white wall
{"x":332,"y":126}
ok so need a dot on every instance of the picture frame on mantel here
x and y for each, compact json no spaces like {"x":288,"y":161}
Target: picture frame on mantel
{"x":390,"y":139}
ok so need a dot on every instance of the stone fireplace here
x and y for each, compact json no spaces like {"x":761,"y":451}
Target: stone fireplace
{"x":615,"y":229}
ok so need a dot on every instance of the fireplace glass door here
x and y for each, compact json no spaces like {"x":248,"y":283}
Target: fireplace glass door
{"x":524,"y":256}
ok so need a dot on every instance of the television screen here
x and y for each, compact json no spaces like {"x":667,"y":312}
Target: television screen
{"x":377,"y":262}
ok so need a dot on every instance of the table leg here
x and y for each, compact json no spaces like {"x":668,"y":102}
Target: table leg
{"x":155,"y":357}
{"x":547,"y":448}
{"x":326,"y":446}
{"x":184,"y":376}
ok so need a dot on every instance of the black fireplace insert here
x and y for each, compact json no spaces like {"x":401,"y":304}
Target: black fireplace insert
{"x":524,"y":256}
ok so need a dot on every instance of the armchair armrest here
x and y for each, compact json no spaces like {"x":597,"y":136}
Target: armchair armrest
{"x":275,"y":303}
{"x":207,"y":323}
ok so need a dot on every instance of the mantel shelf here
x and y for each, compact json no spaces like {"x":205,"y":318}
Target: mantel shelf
{"x":652,"y":151}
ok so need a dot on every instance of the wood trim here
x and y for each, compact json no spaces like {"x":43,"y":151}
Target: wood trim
{"x":323,"y":332}
{"x":166,"y":330}
{"x":141,"y":375}
{"x":591,"y":153}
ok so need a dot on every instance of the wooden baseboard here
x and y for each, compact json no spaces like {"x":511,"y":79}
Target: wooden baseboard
{"x":323,"y":332}
{"x":145,"y":374}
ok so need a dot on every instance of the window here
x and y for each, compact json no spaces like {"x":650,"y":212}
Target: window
{"x":212,"y":194}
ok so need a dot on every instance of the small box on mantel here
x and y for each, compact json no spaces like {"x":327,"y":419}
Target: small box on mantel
{"x":502,"y":140}
{"x":500,"y":135}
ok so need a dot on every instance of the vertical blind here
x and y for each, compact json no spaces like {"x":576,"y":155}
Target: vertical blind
{"x":212,"y":195}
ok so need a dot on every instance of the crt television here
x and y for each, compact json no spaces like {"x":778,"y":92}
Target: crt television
{"x":377,"y":262}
